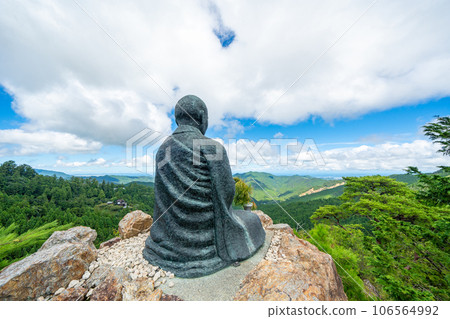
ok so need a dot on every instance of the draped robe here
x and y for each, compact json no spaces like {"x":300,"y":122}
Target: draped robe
{"x":195,"y":231}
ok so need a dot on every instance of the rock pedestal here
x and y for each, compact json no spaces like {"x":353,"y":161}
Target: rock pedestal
{"x":294,"y":270}
{"x":68,"y":267}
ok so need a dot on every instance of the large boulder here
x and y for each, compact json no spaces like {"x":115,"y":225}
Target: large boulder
{"x":142,"y":289}
{"x":265,"y":219}
{"x":285,"y":228}
{"x":134,"y":223}
{"x":71,"y":294}
{"x":294,"y":270}
{"x":110,"y":289}
{"x":65,"y":256}
{"x":73,"y":235}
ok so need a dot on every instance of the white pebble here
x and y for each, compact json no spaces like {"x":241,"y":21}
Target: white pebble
{"x":60,"y":290}
{"x":86,"y":275}
{"x":73,"y":283}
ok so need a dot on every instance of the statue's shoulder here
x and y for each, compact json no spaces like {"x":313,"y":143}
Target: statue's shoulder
{"x":209,"y":145}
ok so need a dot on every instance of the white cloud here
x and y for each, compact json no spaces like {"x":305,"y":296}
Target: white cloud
{"x":68,"y":76}
{"x":108,"y":115}
{"x":387,"y":156}
{"x":232,"y":128}
{"x":94,"y":162}
{"x":19,"y":142}
{"x":246,"y":155}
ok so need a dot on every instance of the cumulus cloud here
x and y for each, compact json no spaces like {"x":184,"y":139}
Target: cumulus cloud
{"x":294,"y":156}
{"x":246,"y":155}
{"x":94,"y":162}
{"x":19,"y":142}
{"x":387,"y":156}
{"x":108,"y":115}
{"x":78,"y":89}
{"x":69,"y":77}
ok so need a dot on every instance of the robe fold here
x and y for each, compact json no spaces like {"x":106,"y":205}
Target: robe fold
{"x":195,"y":231}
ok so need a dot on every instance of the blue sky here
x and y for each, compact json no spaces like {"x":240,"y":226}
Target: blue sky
{"x":398,"y":125}
{"x":359,"y":88}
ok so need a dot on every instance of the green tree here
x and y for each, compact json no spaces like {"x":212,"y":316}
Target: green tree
{"x":242,"y":193}
{"x":435,"y":188}
{"x":439,"y":132}
{"x":406,"y":251}
{"x":29,"y":200}
{"x":347,"y":253}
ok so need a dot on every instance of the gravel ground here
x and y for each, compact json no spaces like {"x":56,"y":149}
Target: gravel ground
{"x":222,"y":285}
{"x":127,"y":253}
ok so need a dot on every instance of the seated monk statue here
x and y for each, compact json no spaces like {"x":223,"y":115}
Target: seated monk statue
{"x":195,"y":231}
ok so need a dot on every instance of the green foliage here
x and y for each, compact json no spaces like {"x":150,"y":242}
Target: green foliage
{"x":346,"y":251}
{"x":14,"y":247}
{"x":29,"y":200}
{"x":242,"y":193}
{"x":439,"y":132}
{"x":433,"y":189}
{"x":300,"y":210}
{"x":406,"y":249}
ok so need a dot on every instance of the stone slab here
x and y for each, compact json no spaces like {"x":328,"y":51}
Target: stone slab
{"x":222,"y":285}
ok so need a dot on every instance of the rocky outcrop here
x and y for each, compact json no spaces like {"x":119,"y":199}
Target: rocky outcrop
{"x":284,"y":228}
{"x":142,"y":289}
{"x":134,"y":223}
{"x":170,"y":298}
{"x":120,"y":273}
{"x":74,"y":235}
{"x":68,"y":267}
{"x":71,"y":294}
{"x":110,"y":288}
{"x":293,"y":269}
{"x":266,"y":221}
{"x":65,"y":256}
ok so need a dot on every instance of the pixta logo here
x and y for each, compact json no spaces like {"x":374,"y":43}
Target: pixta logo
{"x":141,"y":151}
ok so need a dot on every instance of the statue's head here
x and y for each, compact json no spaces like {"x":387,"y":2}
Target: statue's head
{"x":191,"y":110}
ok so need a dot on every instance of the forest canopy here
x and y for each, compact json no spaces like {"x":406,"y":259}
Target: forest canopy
{"x":29,"y":201}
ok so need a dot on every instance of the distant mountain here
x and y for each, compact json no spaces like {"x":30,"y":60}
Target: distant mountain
{"x":51,"y":173}
{"x":116,"y":179}
{"x":122,"y":179}
{"x":303,"y":188}
{"x":267,"y":186}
